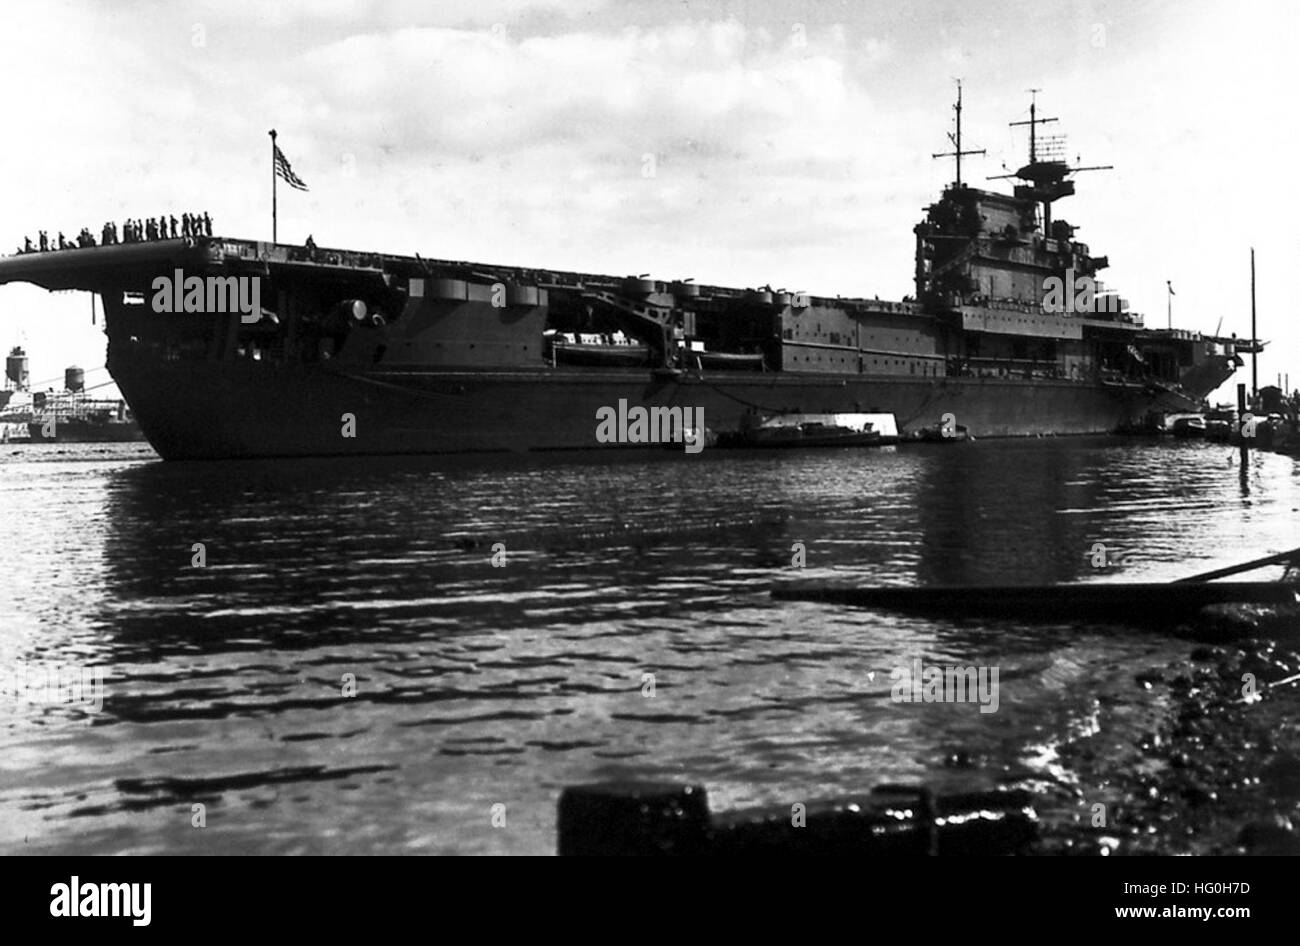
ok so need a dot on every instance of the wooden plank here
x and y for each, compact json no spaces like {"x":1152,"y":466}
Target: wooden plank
{"x":1145,"y":601}
{"x":1281,"y":558}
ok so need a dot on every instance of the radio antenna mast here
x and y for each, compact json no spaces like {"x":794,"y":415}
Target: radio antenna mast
{"x":955,"y":138}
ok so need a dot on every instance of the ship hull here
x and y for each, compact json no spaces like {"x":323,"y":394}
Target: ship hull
{"x":220,"y":411}
{"x":71,"y":431}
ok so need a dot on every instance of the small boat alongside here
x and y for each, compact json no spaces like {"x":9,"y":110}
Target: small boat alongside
{"x":1188,"y":427}
{"x":942,"y":432}
{"x":1220,"y":425}
{"x":784,"y":431}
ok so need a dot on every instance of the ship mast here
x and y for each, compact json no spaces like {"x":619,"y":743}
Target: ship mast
{"x":1033,"y":124}
{"x":1046,"y":177}
{"x":957,"y":152}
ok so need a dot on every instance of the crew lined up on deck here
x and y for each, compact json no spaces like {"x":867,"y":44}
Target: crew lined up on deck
{"x":133,"y":231}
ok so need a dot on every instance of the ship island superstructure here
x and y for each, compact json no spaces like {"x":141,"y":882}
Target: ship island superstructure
{"x":434,"y":355}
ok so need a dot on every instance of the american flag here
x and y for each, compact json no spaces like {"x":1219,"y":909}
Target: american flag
{"x":285,"y":172}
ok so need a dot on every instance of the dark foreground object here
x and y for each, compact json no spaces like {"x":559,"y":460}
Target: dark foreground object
{"x":666,"y":818}
{"x":87,"y":431}
{"x":1146,"y":602}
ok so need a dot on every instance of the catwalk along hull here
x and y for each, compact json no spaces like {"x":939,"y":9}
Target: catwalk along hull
{"x":201,"y":411}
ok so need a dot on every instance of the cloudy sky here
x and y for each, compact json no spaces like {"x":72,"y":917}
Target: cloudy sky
{"x":740,"y":143}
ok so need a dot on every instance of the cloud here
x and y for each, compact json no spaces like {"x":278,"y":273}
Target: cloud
{"x":575,"y":139}
{"x":736,"y":143}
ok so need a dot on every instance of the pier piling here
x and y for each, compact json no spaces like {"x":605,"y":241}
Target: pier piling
{"x":1243,"y":436}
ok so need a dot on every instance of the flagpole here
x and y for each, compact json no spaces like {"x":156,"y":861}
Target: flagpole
{"x":1254,"y":334}
{"x":273,"y":215}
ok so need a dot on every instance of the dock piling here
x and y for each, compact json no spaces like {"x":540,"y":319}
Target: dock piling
{"x":1242,"y":434}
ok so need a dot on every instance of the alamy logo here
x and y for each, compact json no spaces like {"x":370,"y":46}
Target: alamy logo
{"x":181,"y":293}
{"x":76,"y":899}
{"x":684,"y":425}
{"x":917,"y":684}
{"x":1076,"y":296}
{"x":55,"y":683}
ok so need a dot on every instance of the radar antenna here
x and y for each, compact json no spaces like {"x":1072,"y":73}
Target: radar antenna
{"x":1046,"y":175}
{"x":1033,"y":123}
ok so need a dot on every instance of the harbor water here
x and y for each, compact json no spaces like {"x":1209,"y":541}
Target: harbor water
{"x":415,"y":655}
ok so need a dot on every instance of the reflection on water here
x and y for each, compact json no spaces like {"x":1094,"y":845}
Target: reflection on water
{"x":349,"y":672}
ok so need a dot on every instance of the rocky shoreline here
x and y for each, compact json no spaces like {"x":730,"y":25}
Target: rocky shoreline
{"x":1219,"y":771}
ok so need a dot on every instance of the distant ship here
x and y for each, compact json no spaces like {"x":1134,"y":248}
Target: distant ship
{"x":68,"y":416}
{"x":366,"y":353}
{"x":78,"y":420}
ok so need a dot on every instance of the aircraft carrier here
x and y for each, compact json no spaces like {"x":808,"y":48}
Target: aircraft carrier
{"x":365,"y":353}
